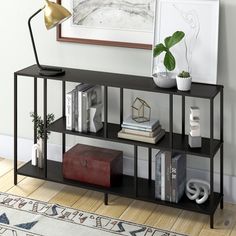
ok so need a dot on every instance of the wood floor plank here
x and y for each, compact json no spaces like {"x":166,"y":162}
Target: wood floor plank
{"x":46,"y":191}
{"x":68,"y":196}
{"x":7,"y":181}
{"x":5,"y":166}
{"x":26,"y":187}
{"x":90,"y":201}
{"x":190,"y":223}
{"x":163,"y":217}
{"x":224,"y":222}
{"x":115,"y":208}
{"x":138,"y":212}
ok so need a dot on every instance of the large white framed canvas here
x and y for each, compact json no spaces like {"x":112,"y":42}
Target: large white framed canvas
{"x":199,"y":20}
{"x":126,"y":23}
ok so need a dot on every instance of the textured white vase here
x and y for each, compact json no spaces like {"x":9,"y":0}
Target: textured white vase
{"x":41,"y":153}
{"x":165,"y":80}
{"x":184,"y":84}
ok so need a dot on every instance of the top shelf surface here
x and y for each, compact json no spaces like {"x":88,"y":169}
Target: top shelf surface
{"x":123,"y":81}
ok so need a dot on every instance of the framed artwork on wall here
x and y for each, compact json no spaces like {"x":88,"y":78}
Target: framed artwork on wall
{"x":198,"y":52}
{"x":123,"y":23}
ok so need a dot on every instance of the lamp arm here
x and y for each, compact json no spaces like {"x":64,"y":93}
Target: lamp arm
{"x":34,"y":46}
{"x":32,"y":37}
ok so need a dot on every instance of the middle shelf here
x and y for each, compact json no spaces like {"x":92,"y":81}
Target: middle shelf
{"x":180,"y":142}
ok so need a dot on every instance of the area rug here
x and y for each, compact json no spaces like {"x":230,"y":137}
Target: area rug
{"x":27,"y":217}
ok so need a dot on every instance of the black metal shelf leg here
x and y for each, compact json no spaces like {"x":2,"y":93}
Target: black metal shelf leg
{"x":35,"y":107}
{"x":15,"y":130}
{"x":212,"y":221}
{"x":183,"y":116}
{"x":105,"y":110}
{"x":121,"y":105}
{"x":105,"y":199}
{"x":171,"y":119}
{"x":222,"y":147}
{"x":150,"y":165}
{"x":212,"y":158}
{"x":136,"y":170}
{"x":45,"y":125}
{"x":63,"y":114}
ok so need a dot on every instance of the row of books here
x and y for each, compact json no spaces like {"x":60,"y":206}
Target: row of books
{"x":84,"y":108}
{"x":170,"y":176}
{"x":149,"y":131}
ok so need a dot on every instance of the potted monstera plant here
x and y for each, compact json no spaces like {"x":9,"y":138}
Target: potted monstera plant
{"x":167,"y":79}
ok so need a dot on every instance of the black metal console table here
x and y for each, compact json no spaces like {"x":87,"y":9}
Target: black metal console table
{"x":133,"y":186}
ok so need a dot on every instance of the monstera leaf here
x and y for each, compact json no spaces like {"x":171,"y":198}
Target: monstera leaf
{"x":169,"y":60}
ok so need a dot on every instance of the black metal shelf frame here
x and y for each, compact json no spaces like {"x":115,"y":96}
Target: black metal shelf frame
{"x":172,"y":141}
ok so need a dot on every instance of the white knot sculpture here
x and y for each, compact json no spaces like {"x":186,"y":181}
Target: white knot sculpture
{"x":197,"y":190}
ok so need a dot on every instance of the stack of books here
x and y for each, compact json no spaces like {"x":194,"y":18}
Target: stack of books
{"x":170,"y":177}
{"x":84,"y":108}
{"x":149,"y":131}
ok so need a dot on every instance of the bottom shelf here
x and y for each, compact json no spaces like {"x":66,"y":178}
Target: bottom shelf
{"x":146,"y":190}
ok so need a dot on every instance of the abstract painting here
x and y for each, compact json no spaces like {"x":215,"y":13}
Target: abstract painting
{"x":198,"y":52}
{"x":110,"y":22}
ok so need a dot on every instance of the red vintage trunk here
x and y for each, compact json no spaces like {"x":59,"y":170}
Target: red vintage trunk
{"x":93,"y":165}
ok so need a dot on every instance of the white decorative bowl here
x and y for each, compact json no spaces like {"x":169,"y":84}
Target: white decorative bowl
{"x":184,"y":84}
{"x":165,"y":80}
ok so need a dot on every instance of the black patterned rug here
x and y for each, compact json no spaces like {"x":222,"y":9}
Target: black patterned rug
{"x":27,"y":217}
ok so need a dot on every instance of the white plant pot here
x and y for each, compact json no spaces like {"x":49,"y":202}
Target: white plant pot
{"x":184,"y":84}
{"x":165,"y":80}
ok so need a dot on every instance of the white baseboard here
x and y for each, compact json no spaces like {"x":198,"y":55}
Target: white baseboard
{"x":54,"y":152}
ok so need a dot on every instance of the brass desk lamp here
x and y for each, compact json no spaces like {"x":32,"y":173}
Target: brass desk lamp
{"x":54,"y":14}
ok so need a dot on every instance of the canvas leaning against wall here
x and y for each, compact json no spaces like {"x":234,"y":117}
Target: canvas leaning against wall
{"x":198,"y":52}
{"x":127,"y":23}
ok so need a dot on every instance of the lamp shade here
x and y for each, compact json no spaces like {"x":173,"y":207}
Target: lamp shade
{"x":54,"y":14}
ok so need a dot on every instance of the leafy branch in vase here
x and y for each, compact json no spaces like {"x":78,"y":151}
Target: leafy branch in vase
{"x":40,"y":124}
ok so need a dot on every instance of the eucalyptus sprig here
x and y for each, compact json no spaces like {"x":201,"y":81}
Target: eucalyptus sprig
{"x":40,"y":124}
{"x":169,"y":42}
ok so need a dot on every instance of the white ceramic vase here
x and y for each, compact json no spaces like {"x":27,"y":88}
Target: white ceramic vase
{"x":184,"y":84}
{"x":165,"y":79}
{"x":41,"y":153}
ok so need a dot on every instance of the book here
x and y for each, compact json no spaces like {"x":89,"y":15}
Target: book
{"x":69,"y":106}
{"x":81,"y":88}
{"x":158,"y":175}
{"x":143,"y":133}
{"x":163,"y":176}
{"x":91,"y":98}
{"x":148,"y":125}
{"x":140,"y":138}
{"x":178,"y":173}
{"x":95,"y":119}
{"x":168,"y":177}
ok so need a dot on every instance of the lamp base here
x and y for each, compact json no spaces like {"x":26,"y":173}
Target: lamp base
{"x":51,"y":71}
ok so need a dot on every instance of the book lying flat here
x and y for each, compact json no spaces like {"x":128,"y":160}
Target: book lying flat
{"x":143,"y":133}
{"x":148,"y":125}
{"x":141,"y":138}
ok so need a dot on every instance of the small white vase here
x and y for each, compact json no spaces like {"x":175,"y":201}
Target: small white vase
{"x":41,"y":153}
{"x":184,"y":84}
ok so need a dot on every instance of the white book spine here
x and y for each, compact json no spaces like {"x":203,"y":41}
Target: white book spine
{"x":80,"y":94}
{"x":163,"y":176}
{"x":69,"y":111}
{"x":84,"y":112}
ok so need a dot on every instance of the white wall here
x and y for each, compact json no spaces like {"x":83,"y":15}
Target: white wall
{"x":16,"y":53}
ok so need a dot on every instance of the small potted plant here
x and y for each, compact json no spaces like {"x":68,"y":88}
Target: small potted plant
{"x":184,"y":81}
{"x":167,"y":79}
{"x":40,"y":135}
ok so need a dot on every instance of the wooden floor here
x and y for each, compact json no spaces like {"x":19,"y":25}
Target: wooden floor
{"x":123,"y":208}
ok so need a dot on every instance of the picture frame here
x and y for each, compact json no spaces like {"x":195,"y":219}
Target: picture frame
{"x":92,"y":31}
{"x":198,"y":52}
